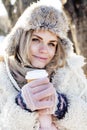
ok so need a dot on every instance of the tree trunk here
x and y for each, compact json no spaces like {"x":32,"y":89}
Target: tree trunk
{"x":76,"y":10}
{"x":14,"y":11}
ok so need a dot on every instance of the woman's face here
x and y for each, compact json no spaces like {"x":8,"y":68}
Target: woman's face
{"x":42,"y":48}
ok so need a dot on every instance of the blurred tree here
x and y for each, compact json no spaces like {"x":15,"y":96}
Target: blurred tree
{"x":16,"y":9}
{"x":76,"y":10}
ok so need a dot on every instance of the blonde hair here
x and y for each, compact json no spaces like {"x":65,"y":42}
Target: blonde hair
{"x":58,"y":59}
{"x":22,"y":48}
{"x":22,"y":53}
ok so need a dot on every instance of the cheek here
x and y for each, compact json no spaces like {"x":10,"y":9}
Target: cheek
{"x":33,"y":49}
{"x":52,"y":53}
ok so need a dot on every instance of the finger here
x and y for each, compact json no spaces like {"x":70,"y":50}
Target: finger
{"x":44,"y":105}
{"x":43,"y":94}
{"x":38,"y":82}
{"x":53,"y":97}
{"x":28,"y":100}
{"x":39,"y":88}
{"x":44,"y":111}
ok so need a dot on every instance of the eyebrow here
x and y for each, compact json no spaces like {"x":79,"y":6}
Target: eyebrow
{"x":42,"y":38}
{"x":38,"y":36}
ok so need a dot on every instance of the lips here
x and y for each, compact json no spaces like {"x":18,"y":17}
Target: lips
{"x":40,"y":58}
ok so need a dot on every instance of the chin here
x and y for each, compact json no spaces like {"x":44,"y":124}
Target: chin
{"x":39,"y":66}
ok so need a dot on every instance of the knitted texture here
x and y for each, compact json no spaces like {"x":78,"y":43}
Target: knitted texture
{"x":19,"y":101}
{"x":62,"y":106}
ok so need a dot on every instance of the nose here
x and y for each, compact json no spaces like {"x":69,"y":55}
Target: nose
{"x":43,"y":48}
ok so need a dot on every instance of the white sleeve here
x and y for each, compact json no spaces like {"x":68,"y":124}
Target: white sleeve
{"x":13,"y":117}
{"x":74,"y":86}
{"x":76,"y":117}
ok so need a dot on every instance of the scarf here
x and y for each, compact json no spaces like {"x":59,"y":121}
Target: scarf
{"x":18,"y":71}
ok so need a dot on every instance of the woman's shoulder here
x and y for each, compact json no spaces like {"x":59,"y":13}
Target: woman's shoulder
{"x":71,"y":72}
{"x":75,"y":61}
{"x":73,"y":66}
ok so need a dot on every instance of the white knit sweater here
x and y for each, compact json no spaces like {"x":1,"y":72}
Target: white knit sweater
{"x":69,"y":80}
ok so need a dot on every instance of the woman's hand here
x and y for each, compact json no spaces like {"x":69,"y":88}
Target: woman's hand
{"x":39,"y":94}
{"x":60,"y":108}
{"x":51,"y":109}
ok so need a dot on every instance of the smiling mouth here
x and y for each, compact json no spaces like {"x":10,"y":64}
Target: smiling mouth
{"x":41,"y":58}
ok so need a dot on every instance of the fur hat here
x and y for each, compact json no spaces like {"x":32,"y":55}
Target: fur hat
{"x":39,"y":16}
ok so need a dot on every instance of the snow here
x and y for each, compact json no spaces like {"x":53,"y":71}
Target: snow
{"x":1,"y":38}
{"x":3,"y":11}
{"x":1,"y":45}
{"x":13,"y":2}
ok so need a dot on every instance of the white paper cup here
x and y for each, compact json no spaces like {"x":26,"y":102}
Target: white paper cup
{"x":36,"y":74}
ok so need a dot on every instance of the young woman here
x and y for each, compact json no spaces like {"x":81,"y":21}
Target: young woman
{"x":39,"y":41}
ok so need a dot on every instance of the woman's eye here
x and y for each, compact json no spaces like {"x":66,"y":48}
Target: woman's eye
{"x":52,"y":44}
{"x":35,"y":40}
